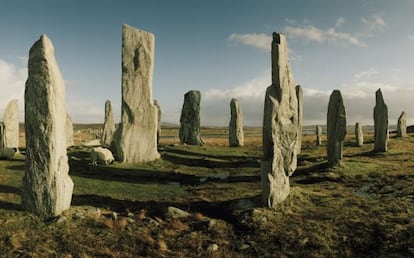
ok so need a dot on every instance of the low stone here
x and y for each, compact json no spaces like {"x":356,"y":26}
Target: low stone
{"x":176,"y":213}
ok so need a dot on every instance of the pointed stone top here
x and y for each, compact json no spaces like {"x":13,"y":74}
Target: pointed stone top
{"x":379,"y":98}
{"x":234,"y":100}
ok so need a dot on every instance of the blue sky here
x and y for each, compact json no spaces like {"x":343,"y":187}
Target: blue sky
{"x":222,"y":48}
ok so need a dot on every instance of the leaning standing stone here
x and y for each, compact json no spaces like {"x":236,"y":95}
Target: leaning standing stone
{"x":11,"y":125}
{"x":280,"y":127}
{"x":47,"y":187}
{"x":336,"y":128}
{"x":236,"y":134}
{"x":136,"y":137}
{"x":318,"y":130}
{"x":299,"y":96}
{"x":402,"y":125}
{"x":108,"y":126}
{"x":157,"y":105}
{"x":359,"y":136}
{"x":380,"y":123}
{"x":190,"y":119}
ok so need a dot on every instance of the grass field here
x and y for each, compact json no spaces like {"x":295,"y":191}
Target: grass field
{"x":363,"y":209}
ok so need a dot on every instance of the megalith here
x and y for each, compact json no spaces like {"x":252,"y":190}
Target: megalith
{"x":299,"y":96}
{"x":336,"y":128}
{"x":136,"y":138}
{"x":190,"y":119}
{"x":69,"y":131}
{"x":402,"y":125}
{"x":236,"y":133}
{"x":11,"y":125}
{"x":359,"y":136}
{"x":157,"y":105}
{"x":280,"y":127}
{"x":318,"y":131}
{"x":47,"y":187}
{"x":108,"y":129}
{"x":1,"y":135}
{"x":380,"y":123}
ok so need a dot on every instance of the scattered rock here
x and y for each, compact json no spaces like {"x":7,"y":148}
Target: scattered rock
{"x":176,"y":213}
{"x":212,"y":248}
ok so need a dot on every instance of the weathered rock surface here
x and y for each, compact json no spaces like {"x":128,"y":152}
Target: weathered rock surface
{"x":157,"y":105}
{"x":47,"y":187}
{"x":336,"y":128}
{"x":359,"y":135}
{"x":108,"y":129}
{"x":318,"y":131}
{"x":236,"y":133}
{"x":69,"y":131}
{"x":402,"y":125}
{"x":190,"y":119}
{"x":136,"y":138}
{"x":380,"y":123}
{"x":299,"y":96}
{"x":280,"y":127}
{"x":11,"y":124}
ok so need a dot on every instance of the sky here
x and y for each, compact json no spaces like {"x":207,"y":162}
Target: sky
{"x":222,"y":49}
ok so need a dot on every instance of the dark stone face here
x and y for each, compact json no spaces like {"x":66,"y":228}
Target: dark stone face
{"x":276,"y":38}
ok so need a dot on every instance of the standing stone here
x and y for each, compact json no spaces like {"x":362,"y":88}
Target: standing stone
{"x":359,"y":136}
{"x":280,"y":127}
{"x":136,"y":137}
{"x":380,"y":123}
{"x":318,"y":130}
{"x":47,"y":187}
{"x":190,"y":119}
{"x":299,"y":96}
{"x":236,"y":134}
{"x":11,"y":125}
{"x":336,"y":128}
{"x":69,"y":131}
{"x":402,"y":125}
{"x":158,"y":120}
{"x":108,"y":129}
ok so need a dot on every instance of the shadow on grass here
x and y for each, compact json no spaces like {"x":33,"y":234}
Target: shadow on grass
{"x":10,"y":189}
{"x":10,"y":206}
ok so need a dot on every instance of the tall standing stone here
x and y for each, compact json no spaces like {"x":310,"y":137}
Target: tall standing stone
{"x":47,"y":187}
{"x":11,"y":125}
{"x":69,"y":131}
{"x":299,"y":96}
{"x":236,"y":133}
{"x":157,"y":105}
{"x":1,"y":135}
{"x":190,"y":119}
{"x":136,"y":138}
{"x":359,"y":136}
{"x":280,"y":127}
{"x":380,"y":123}
{"x":402,"y":125}
{"x":108,"y":129}
{"x":336,"y":128}
{"x":318,"y":131}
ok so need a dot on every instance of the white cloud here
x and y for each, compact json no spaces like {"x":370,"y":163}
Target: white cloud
{"x":365,"y":74}
{"x":411,"y":37}
{"x":12,"y":81}
{"x":312,"y":33}
{"x":339,"y":22}
{"x":257,"y":40}
{"x":375,"y":22}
